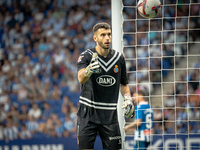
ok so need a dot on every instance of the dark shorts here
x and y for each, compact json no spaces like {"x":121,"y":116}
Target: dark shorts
{"x":87,"y":132}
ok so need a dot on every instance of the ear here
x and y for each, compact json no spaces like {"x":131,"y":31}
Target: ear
{"x":95,"y":37}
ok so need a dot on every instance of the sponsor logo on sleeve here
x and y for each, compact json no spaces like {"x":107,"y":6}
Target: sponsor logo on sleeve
{"x":79,"y":59}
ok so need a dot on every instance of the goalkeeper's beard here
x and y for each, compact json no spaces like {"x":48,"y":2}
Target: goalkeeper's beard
{"x":103,"y":46}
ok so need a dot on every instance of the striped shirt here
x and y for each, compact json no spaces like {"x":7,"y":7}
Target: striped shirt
{"x":11,"y":132}
{"x":32,"y":126}
{"x":99,"y":95}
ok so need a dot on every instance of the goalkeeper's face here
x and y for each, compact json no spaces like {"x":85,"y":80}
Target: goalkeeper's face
{"x":103,"y":38}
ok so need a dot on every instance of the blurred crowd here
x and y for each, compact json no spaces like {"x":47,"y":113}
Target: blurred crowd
{"x":181,"y":112}
{"x":40,"y":41}
{"x":165,"y":42}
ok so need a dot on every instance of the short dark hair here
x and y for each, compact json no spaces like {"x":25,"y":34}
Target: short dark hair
{"x":103,"y":25}
{"x":140,"y":92}
{"x":143,"y":93}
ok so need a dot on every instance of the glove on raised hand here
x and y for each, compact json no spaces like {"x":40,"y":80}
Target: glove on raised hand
{"x":93,"y":67}
{"x":128,"y":106}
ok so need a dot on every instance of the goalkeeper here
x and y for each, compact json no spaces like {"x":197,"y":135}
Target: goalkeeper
{"x":102,"y":73}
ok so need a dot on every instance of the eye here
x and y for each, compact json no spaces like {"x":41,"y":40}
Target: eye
{"x":103,"y":34}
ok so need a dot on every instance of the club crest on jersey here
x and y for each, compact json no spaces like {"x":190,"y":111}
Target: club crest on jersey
{"x":106,"y":80}
{"x":79,"y":59}
{"x":116,"y":69}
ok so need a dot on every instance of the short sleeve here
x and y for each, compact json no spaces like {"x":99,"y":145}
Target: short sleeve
{"x":124,"y":77}
{"x":83,"y":60}
{"x":138,"y":113}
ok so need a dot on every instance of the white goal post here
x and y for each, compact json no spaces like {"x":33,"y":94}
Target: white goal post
{"x":117,"y":44}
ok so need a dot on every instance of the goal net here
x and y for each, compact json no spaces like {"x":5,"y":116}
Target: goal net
{"x":163,"y":59}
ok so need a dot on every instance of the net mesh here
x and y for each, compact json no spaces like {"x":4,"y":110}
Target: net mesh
{"x":163,"y":59}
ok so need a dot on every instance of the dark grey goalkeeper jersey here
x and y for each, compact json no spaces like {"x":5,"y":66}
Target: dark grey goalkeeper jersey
{"x":99,"y":95}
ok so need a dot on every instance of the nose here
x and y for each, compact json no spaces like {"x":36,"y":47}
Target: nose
{"x":107,"y":37}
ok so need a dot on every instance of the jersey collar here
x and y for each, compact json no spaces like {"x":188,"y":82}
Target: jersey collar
{"x":143,"y":103}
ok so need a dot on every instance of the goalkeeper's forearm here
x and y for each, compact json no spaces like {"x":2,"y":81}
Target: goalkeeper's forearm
{"x":81,"y":76}
{"x":124,"y":89}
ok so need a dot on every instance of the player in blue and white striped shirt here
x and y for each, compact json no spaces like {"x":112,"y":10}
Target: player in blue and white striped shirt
{"x":143,"y":122}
